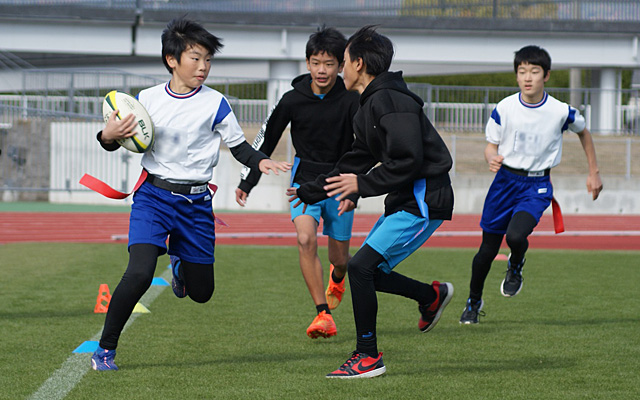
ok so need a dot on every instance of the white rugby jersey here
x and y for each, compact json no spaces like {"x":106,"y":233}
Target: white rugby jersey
{"x":529,"y":136}
{"x":188,"y":129}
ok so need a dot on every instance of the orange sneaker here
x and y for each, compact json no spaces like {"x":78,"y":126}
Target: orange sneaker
{"x":334,"y":291}
{"x":322,"y":325}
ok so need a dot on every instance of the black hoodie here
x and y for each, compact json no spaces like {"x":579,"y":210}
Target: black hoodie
{"x":393,"y":131}
{"x":321,"y":129}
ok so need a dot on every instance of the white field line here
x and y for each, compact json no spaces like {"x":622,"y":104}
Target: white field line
{"x":65,"y":378}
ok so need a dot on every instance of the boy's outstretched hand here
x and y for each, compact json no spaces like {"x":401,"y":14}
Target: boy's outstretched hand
{"x":343,"y":185}
{"x":265,"y":166}
{"x":268,"y":164}
{"x":292,"y":192}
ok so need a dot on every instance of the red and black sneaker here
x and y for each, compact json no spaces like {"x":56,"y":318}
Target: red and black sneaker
{"x":360,"y":365}
{"x":430,"y":313}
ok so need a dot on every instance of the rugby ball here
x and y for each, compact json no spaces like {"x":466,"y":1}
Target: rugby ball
{"x":127,"y":104}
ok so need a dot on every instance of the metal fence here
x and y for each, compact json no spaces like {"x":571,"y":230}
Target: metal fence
{"x":445,"y":116}
{"x":79,"y":94}
{"x":47,"y":137}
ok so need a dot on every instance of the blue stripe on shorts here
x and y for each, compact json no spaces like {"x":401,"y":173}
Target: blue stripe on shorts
{"x":394,"y":237}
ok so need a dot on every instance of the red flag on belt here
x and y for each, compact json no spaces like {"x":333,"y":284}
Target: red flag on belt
{"x":558,"y":222}
{"x":97,"y":185}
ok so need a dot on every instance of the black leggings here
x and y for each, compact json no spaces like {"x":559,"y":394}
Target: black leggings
{"x":365,"y":278}
{"x":519,"y":228}
{"x":137,"y":279}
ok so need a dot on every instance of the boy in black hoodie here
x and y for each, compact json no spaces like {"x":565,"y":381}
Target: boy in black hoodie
{"x":396,"y":152}
{"x":321,"y":112}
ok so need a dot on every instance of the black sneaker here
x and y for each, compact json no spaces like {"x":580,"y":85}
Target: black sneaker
{"x":512,"y":283}
{"x":472,"y":311}
{"x":430,"y":313}
{"x":177,"y":284}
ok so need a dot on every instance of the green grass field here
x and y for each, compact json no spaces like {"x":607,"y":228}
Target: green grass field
{"x":572,"y":333}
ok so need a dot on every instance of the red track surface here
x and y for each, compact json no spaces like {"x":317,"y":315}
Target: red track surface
{"x":582,"y":232}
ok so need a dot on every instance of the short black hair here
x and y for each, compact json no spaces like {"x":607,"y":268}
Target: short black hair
{"x":328,"y":40}
{"x":375,"y":49}
{"x":182,"y":33}
{"x":534,"y":55}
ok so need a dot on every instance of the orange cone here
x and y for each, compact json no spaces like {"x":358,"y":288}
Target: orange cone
{"x":104,"y":297}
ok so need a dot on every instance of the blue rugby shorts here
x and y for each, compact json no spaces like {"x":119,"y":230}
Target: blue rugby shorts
{"x":187,"y":220}
{"x":511,"y":193}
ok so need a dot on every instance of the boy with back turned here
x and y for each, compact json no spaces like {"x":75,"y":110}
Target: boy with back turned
{"x":397,"y":152}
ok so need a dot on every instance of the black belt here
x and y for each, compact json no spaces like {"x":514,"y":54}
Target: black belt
{"x":524,"y":172}
{"x":180,"y":188}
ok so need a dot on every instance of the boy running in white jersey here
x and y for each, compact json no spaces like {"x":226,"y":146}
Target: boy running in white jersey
{"x":190,"y":120}
{"x":525,"y":142}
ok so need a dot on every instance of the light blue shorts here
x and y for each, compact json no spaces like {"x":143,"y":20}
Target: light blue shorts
{"x":397,"y":236}
{"x":336,"y":227}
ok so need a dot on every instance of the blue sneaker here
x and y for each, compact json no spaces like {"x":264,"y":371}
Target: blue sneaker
{"x":102,"y":360}
{"x":177,"y":284}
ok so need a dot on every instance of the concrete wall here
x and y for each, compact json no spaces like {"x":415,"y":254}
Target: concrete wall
{"x":74,"y":152}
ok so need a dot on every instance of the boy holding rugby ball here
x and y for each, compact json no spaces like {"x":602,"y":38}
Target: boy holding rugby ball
{"x":191,"y":120}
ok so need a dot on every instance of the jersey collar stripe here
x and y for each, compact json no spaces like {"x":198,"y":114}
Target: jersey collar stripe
{"x":536,"y":105}
{"x":181,"y":95}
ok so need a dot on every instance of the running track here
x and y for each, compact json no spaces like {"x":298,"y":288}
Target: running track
{"x":582,"y":232}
